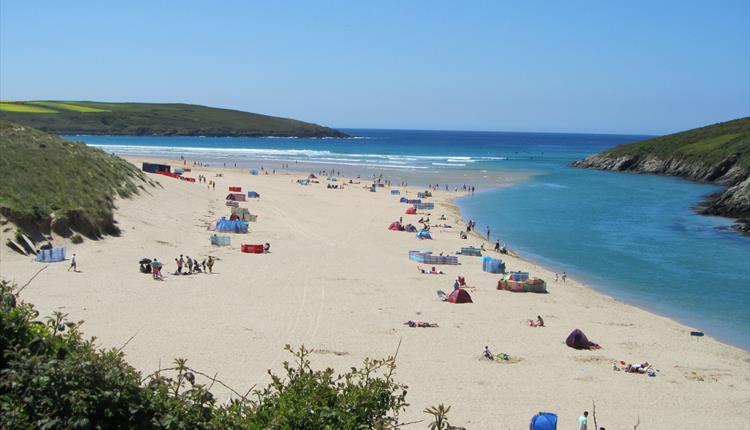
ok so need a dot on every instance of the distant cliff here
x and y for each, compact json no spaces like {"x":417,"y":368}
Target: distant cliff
{"x":718,"y":153}
{"x":153,"y":119}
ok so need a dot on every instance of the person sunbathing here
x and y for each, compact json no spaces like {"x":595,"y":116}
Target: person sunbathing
{"x":433,"y":271}
{"x":638,"y":367}
{"x":412,"y":323}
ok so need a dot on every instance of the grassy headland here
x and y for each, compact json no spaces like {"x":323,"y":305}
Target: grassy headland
{"x":718,"y":153}
{"x":48,"y":183}
{"x":153,"y":119}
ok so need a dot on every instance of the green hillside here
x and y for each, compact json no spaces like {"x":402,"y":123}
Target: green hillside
{"x":48,"y":183}
{"x":708,"y":145}
{"x":159,"y":119}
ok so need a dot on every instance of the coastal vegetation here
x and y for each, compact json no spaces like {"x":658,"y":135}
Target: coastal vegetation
{"x":51,"y":184}
{"x":153,"y":119}
{"x":718,"y":153}
{"x":52,"y":377}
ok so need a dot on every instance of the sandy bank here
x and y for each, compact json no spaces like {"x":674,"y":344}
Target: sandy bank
{"x":338,"y":281}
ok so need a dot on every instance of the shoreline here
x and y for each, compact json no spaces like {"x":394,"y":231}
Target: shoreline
{"x":339,"y":282}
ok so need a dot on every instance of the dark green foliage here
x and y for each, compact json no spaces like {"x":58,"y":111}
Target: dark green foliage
{"x":50,"y":378}
{"x":708,"y":145}
{"x":41,"y":174}
{"x":164,"y":119}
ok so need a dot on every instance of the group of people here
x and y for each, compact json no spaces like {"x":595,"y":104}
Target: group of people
{"x":559,"y":277}
{"x":188,"y":266}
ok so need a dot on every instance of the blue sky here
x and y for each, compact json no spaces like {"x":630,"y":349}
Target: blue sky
{"x":582,"y":66}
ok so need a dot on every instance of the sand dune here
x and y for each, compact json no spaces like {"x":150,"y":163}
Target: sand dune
{"x":338,"y":281}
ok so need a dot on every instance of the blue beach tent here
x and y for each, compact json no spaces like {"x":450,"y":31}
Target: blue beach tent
{"x":543,"y":421}
{"x":395,"y":192}
{"x":424,"y":234}
{"x":402,"y":200}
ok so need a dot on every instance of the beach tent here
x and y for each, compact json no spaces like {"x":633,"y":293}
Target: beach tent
{"x":312,"y":176}
{"x":543,"y":421}
{"x":395,"y":192}
{"x":236,"y":197}
{"x":577,"y":340}
{"x":253,"y":172}
{"x":253,"y":194}
{"x":410,"y":228}
{"x":424,"y":234}
{"x":411,"y":211}
{"x":243,"y":214}
{"x":230,"y":226}
{"x":52,"y":255}
{"x":403,"y":199}
{"x":396,"y":226}
{"x":459,"y":296}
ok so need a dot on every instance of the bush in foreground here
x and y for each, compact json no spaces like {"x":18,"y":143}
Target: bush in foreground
{"x":51,"y":377}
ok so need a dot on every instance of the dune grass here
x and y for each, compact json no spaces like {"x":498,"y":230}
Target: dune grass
{"x":69,"y":106}
{"x":41,"y":174}
{"x":23,"y":108}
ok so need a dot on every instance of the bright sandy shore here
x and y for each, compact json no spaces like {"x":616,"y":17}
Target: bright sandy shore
{"x":338,"y":281}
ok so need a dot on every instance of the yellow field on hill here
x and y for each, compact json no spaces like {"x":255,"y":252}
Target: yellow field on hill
{"x":69,"y":106}
{"x":18,"y":107}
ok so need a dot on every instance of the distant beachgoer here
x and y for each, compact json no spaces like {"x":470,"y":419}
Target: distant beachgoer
{"x":73,"y":264}
{"x":497,"y":246}
{"x":539,"y":321}
{"x":456,"y":285}
{"x":210,"y":264}
{"x":487,"y":353}
{"x":267,"y":248}
{"x":180,"y":263}
{"x":190,"y":265}
{"x":564,"y":277}
{"x":557,"y":277}
{"x":583,"y":421}
{"x":203,"y":263}
{"x":488,"y":232}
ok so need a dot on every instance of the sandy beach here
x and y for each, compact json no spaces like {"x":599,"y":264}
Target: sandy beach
{"x":337,"y":280}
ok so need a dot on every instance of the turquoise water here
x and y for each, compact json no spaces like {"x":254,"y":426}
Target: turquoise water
{"x":634,"y":237}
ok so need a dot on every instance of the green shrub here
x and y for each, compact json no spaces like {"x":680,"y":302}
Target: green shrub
{"x":50,"y":377}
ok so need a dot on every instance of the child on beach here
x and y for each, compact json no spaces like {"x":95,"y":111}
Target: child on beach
{"x":564,"y":277}
{"x":73,"y":264}
{"x":210,"y":264}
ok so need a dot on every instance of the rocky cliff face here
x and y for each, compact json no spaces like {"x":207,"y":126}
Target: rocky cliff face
{"x":733,"y":202}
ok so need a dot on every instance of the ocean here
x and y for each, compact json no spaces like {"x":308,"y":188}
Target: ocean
{"x":634,"y":237}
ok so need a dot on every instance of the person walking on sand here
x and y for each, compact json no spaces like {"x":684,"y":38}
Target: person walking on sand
{"x":210,"y":264}
{"x":180,"y":263}
{"x":488,"y":232}
{"x":583,"y":421}
{"x":73,"y":264}
{"x":497,"y":246}
{"x":564,"y":277}
{"x":190,"y":265}
{"x":557,"y":276}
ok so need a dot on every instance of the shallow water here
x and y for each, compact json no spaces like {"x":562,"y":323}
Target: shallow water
{"x":634,"y":237}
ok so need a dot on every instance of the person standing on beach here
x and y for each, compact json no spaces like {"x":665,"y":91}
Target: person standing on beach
{"x":488,"y":232}
{"x":180,"y":263}
{"x":564,"y":277}
{"x":73,"y":264}
{"x":210,"y":264}
{"x":497,"y":245}
{"x":583,"y":421}
{"x":190,"y":265}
